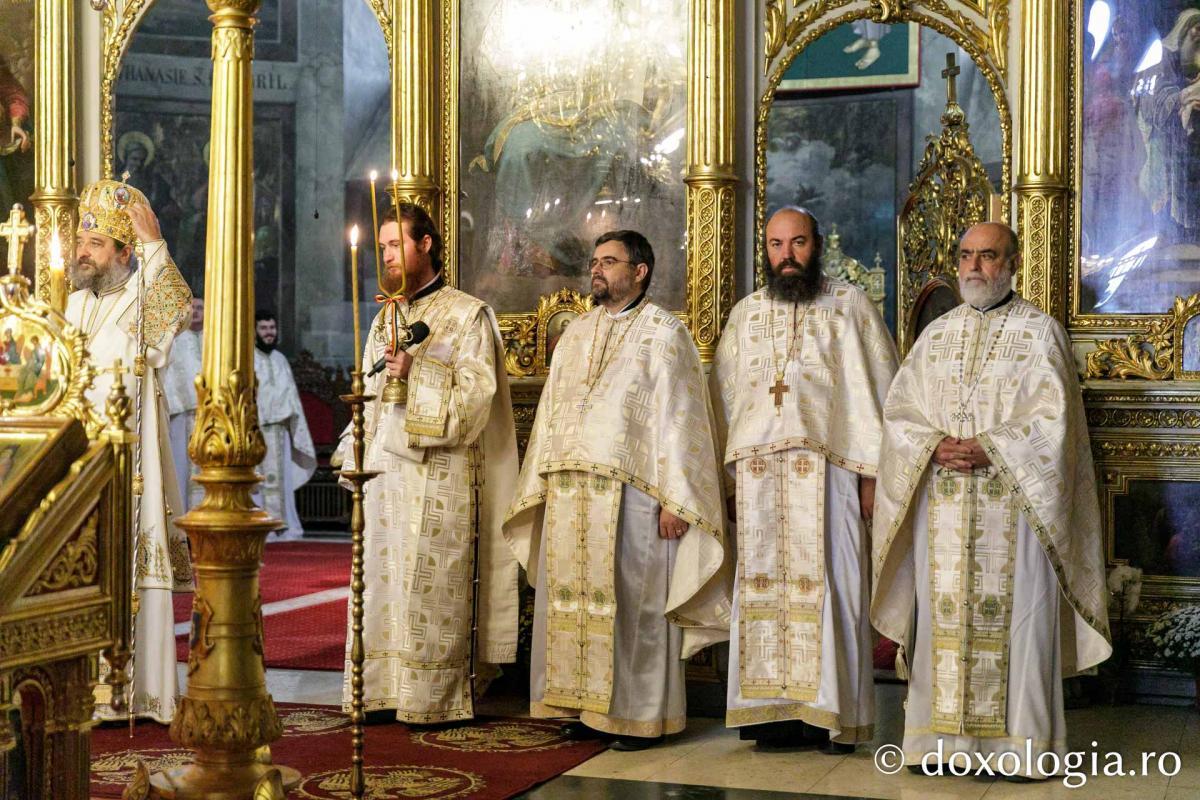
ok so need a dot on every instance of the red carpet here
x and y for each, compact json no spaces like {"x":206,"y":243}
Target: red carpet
{"x":490,"y":759}
{"x":306,"y":638}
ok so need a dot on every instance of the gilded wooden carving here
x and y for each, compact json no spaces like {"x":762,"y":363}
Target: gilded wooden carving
{"x":1155,"y":355}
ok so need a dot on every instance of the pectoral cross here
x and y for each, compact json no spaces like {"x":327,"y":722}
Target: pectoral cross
{"x":16,"y":232}
{"x":950,"y":73}
{"x":779,"y":388}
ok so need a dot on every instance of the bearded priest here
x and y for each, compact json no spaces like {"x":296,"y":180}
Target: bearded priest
{"x":799,"y":379}
{"x":988,"y":560}
{"x":447,"y":452}
{"x":115,"y":223}
{"x":617,"y":516}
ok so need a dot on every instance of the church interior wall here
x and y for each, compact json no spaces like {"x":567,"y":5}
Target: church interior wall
{"x":1135,"y":421}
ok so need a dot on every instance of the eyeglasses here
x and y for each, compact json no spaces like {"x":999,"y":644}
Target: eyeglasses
{"x":606,"y":263}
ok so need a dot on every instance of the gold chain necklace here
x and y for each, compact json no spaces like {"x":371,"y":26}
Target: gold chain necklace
{"x":961,"y":415}
{"x":607,"y":356}
{"x":779,"y":388}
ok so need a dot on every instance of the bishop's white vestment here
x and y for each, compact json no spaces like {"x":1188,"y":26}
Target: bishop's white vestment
{"x":161,"y":561}
{"x":623,"y":429}
{"x":291,"y":457}
{"x":1001,"y":569}
{"x":448,"y":459}
{"x":800,"y":390}
{"x":179,"y":389}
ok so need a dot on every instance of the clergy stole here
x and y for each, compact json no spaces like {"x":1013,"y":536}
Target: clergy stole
{"x":972,"y":547}
{"x":582,"y":511}
{"x":781,"y":580}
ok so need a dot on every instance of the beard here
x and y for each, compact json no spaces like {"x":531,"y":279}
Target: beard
{"x":986,"y":293}
{"x":266,"y":347}
{"x":391,"y":283}
{"x":800,"y":288}
{"x":600,"y":290}
{"x":99,"y":278}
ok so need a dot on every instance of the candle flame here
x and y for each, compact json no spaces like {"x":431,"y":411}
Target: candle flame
{"x":374,"y":175}
{"x":354,"y":236}
{"x":395,"y":175}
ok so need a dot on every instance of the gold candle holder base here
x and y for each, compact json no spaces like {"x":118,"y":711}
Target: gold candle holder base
{"x":181,"y":783}
{"x":358,"y":477}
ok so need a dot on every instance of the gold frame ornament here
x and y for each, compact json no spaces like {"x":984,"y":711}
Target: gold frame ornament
{"x":1156,"y":355}
{"x":525,"y":348}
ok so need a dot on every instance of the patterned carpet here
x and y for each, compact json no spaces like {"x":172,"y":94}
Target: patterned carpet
{"x":489,"y":759}
{"x":311,"y":574}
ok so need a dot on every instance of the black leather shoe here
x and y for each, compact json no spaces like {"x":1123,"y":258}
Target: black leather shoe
{"x":633,"y":743}
{"x":379,"y":716}
{"x":836,"y":749}
{"x":577,"y":731}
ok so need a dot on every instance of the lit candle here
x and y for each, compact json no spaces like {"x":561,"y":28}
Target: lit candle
{"x":354,"y":296}
{"x":58,"y":275}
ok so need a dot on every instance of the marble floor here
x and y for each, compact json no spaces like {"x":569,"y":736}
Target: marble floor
{"x":709,"y":761}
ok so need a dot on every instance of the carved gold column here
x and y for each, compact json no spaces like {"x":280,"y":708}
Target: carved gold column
{"x":54,"y":199}
{"x":710,"y":172}
{"x":1041,"y":187}
{"x":227,"y":713}
{"x":414,"y":105}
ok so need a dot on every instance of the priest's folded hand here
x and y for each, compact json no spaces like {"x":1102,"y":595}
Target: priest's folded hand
{"x":670,"y":526}
{"x":961,"y":455}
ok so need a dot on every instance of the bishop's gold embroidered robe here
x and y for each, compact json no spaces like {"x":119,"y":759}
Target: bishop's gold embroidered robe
{"x":449,"y":463}
{"x":617,"y":607}
{"x":161,"y":560}
{"x":1002,"y":569}
{"x":801,"y":639}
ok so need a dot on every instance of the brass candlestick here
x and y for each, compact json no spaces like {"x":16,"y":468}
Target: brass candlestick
{"x":357,"y":400}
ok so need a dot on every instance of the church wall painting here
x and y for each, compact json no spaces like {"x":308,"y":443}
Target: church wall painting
{"x":858,"y":55}
{"x":847,"y":159}
{"x":163,"y":144}
{"x":16,"y":113}
{"x":1137,"y":151}
{"x":562,"y":141}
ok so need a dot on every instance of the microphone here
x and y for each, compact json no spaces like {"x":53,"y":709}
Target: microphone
{"x":417,"y":333}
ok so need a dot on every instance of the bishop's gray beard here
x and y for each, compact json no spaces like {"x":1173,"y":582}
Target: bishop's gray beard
{"x":98,"y":281}
{"x":802,"y":288}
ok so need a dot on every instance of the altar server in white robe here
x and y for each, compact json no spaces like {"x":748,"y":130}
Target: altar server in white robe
{"x":618,"y":516}
{"x":114,"y":218}
{"x":448,"y":458}
{"x":799,"y":379}
{"x":179,"y":388}
{"x":291,"y":457}
{"x":988,"y":559}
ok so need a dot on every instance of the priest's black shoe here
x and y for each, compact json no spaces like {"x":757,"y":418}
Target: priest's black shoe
{"x":836,"y":749}
{"x":633,"y":743}
{"x":380,"y":716}
{"x":579,"y":732}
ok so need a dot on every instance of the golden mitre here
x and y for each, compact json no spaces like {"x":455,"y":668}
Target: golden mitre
{"x":102,"y":208}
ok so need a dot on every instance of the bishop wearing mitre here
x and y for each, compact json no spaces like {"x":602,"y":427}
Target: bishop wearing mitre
{"x":447,"y":454}
{"x":131,"y":302}
{"x":799,"y":379}
{"x":987,"y":553}
{"x":617,"y":516}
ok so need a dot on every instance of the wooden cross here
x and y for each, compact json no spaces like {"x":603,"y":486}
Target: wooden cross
{"x":16,"y":232}
{"x":951,"y":71}
{"x":779,"y":388}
